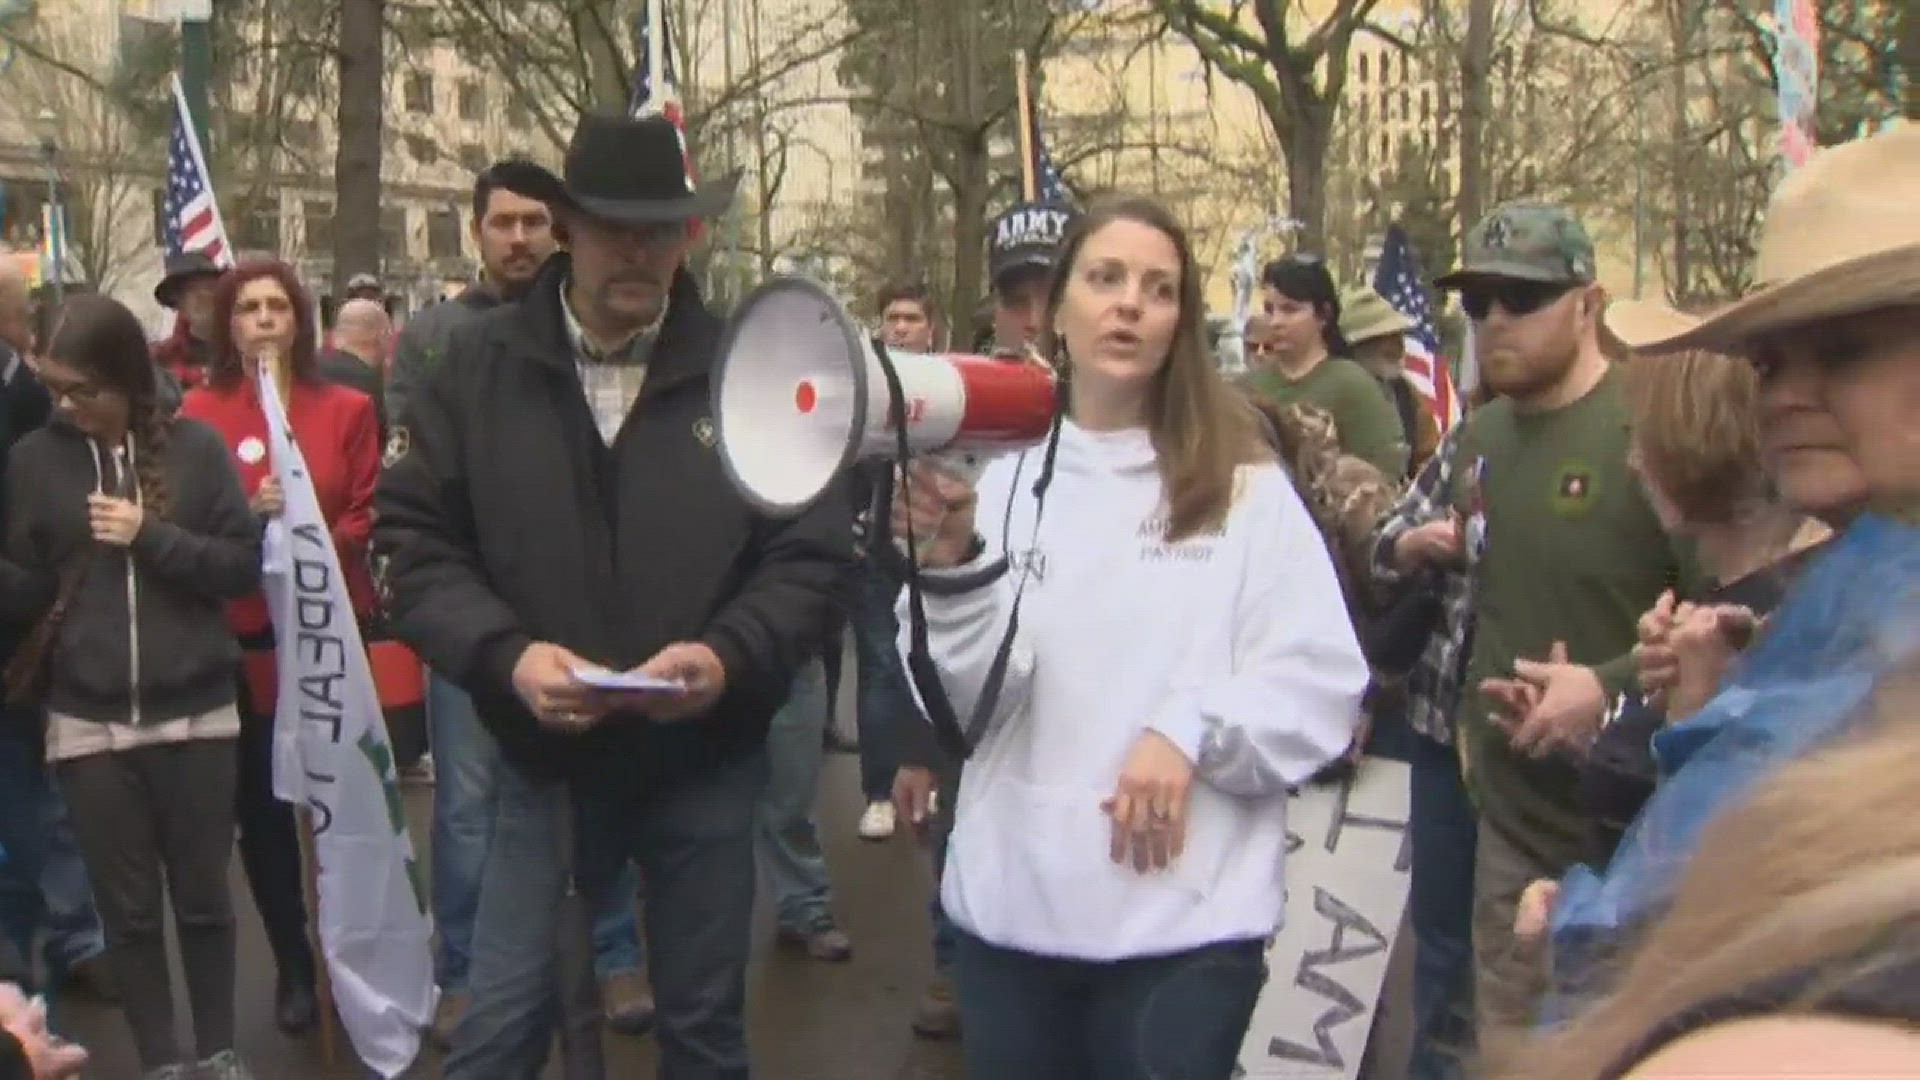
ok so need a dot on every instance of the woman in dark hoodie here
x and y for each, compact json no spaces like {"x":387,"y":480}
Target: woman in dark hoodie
{"x":128,"y":529}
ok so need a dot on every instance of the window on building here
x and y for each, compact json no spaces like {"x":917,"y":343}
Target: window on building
{"x":1406,"y":105}
{"x":1363,"y":110}
{"x":303,"y":134}
{"x":422,"y":149}
{"x":1426,"y":104}
{"x":473,"y":101}
{"x":393,"y":234}
{"x":159,"y":220}
{"x":474,"y":156}
{"x":518,"y":115}
{"x":318,"y":218}
{"x":419,"y":92}
{"x":254,"y":223}
{"x":1386,"y":147}
{"x":1362,"y":71}
{"x":443,"y":235}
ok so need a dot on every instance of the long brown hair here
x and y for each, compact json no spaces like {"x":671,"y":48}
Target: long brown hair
{"x":98,"y":336}
{"x":1816,"y":874}
{"x":228,"y":369}
{"x":1203,"y":429}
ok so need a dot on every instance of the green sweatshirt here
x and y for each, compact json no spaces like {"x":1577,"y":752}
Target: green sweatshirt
{"x":1572,"y":552}
{"x":1364,"y":417}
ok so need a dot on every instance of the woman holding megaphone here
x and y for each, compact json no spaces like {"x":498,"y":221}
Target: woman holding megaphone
{"x":1180,"y":657}
{"x":263,"y":320}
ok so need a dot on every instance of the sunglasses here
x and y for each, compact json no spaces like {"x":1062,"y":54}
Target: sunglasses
{"x":1516,"y":298}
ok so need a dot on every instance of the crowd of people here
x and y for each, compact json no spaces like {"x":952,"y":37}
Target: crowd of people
{"x":1642,"y":624}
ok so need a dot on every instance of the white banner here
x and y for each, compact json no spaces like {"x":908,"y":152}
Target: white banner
{"x":1347,"y":862}
{"x":331,"y":755}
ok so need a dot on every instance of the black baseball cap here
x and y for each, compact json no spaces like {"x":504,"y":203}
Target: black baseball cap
{"x":1027,"y":237}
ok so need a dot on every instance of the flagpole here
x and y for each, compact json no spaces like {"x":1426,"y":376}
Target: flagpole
{"x":1029,"y":183}
{"x":200,"y":160}
{"x":656,"y":40}
{"x":323,"y":978}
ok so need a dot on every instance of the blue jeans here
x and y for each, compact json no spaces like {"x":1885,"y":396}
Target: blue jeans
{"x":466,"y":761}
{"x":1444,"y":835}
{"x":1030,"y":1017}
{"x":693,"y":840}
{"x":43,"y":883}
{"x":884,"y":700}
{"x":788,"y":842}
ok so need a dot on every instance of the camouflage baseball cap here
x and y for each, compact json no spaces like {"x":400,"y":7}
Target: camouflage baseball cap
{"x":1525,"y":242}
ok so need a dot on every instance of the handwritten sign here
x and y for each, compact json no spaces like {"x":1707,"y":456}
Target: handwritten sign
{"x":1347,"y":861}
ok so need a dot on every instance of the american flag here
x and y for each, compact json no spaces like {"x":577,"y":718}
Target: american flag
{"x":660,"y":96}
{"x":1398,"y":279}
{"x":192,"y":215}
{"x":1052,"y":187}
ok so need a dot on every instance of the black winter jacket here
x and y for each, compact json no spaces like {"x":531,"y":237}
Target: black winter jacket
{"x":151,"y":614}
{"x":507,"y":520}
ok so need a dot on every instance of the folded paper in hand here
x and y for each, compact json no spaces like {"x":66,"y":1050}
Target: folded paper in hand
{"x":602,"y":679}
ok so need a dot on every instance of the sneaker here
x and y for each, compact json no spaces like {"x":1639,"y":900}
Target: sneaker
{"x":225,"y":1065}
{"x":446,"y":1017}
{"x":876,"y":822}
{"x":824,"y":941}
{"x":937,"y":1016}
{"x":167,"y":1072}
{"x":628,"y":1001}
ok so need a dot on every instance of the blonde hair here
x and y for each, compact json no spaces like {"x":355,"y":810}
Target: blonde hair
{"x":1696,"y":424}
{"x":1818,"y":873}
{"x":1203,"y":428}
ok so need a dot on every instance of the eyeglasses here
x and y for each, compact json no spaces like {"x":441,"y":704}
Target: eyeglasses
{"x":1516,"y":298}
{"x":80,"y":393}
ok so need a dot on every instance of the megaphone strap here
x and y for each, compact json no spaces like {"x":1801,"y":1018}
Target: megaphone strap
{"x":954,"y":739}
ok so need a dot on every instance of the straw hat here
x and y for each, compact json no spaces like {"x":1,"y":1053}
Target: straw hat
{"x":1842,"y":236}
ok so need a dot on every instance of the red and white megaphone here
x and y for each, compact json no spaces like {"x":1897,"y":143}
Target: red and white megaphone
{"x":800,"y":394}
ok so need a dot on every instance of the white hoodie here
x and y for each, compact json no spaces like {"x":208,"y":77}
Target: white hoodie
{"x":1235,"y":645}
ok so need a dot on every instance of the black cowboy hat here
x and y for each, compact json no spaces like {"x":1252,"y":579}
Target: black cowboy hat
{"x":633,"y":171}
{"x":181,"y":271}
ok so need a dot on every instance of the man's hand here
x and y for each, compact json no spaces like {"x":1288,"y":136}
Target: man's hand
{"x":544,"y":679}
{"x":688,"y":663}
{"x":1569,"y":710}
{"x":1534,"y":915}
{"x":48,"y":1057}
{"x":114,"y":521}
{"x":916,"y":796}
{"x":1653,"y":654}
{"x":1148,"y":807}
{"x":1705,"y":641}
{"x":1437,"y":543}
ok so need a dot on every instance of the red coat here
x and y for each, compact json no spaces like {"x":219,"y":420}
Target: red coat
{"x":339,"y":436}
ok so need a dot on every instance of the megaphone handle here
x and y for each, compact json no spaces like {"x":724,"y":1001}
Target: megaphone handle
{"x":960,"y":465}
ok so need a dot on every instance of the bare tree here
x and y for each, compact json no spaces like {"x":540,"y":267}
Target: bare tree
{"x":934,"y":80}
{"x":356,"y":170}
{"x":107,"y":175}
{"x":1298,"y":79}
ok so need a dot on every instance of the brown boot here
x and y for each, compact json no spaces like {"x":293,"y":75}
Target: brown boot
{"x":628,"y":1001}
{"x":824,"y":942}
{"x":938,"y":1014}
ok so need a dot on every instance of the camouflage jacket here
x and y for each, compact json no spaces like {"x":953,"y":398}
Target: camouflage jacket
{"x":1346,"y":496}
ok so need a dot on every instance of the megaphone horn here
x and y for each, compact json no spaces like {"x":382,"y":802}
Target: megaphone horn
{"x":800,"y":394}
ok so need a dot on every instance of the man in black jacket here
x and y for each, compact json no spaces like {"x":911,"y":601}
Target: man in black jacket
{"x":555,"y":503}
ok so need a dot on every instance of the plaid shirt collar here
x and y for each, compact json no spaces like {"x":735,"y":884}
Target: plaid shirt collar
{"x":635,"y":350}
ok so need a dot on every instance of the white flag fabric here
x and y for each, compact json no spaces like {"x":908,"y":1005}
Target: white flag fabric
{"x":331,"y":756}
